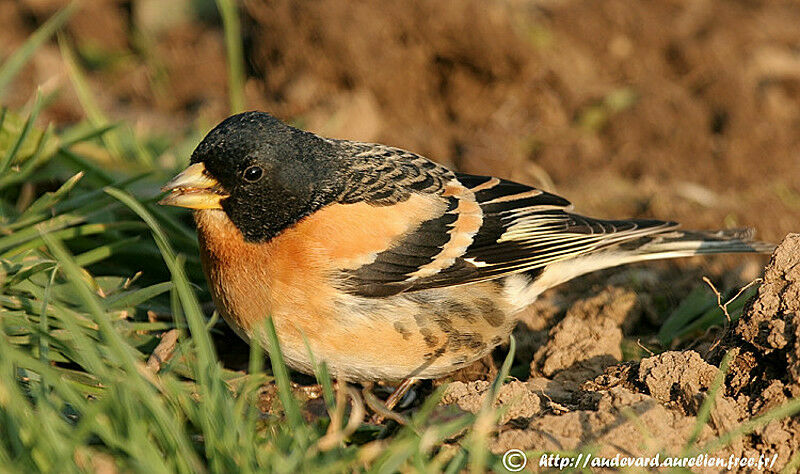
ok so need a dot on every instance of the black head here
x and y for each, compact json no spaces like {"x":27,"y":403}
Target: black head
{"x":271,"y":175}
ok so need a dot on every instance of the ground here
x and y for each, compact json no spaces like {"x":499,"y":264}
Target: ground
{"x":687,"y":111}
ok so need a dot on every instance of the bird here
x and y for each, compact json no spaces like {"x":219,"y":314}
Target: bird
{"x":386,"y":265}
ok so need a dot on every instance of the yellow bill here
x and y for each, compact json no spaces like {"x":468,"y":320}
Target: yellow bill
{"x":194,"y":188}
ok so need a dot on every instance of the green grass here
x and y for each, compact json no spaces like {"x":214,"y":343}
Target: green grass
{"x":233,"y":46}
{"x":701,"y":310}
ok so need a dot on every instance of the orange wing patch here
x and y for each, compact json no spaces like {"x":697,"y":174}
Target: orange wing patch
{"x":470,"y":218}
{"x":351,"y":235}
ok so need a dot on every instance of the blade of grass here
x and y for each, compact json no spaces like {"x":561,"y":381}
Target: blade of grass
{"x":92,"y":133}
{"x":502,"y":375}
{"x":123,"y":353}
{"x":233,"y":47}
{"x":76,"y":277}
{"x":696,"y":303}
{"x":247,"y":401}
{"x":85,"y":203}
{"x":72,"y":232}
{"x":458,"y":463}
{"x":50,"y":198}
{"x":137,"y":297}
{"x":21,"y":56}
{"x":53,"y":310}
{"x":11,"y":152}
{"x":103,"y":252}
{"x":112,"y":138}
{"x":43,"y":152}
{"x":26,"y":272}
{"x":704,"y":412}
{"x":31,"y":232}
{"x":90,"y":167}
{"x":323,"y":377}
{"x":792,"y":407}
{"x":716,"y":315}
{"x":90,"y":107}
{"x":290,"y":406}
{"x":194,"y":315}
{"x":479,"y":437}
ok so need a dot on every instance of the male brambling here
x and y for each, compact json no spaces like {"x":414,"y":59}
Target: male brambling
{"x":393,"y":267}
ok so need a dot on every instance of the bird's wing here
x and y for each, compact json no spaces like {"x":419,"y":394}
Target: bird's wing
{"x":490,"y":228}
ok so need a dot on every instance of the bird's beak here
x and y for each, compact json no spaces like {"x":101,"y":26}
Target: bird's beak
{"x":194,"y":188}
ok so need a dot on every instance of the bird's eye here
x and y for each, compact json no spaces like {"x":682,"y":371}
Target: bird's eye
{"x":253,"y":174}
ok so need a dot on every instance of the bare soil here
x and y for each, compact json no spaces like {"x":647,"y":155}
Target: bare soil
{"x":681,"y":109}
{"x":674,"y":109}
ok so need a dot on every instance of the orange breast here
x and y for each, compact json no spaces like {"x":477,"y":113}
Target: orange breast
{"x":289,"y":277}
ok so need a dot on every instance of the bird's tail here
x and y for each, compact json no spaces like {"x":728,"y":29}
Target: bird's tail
{"x":669,"y":243}
{"x":677,"y":243}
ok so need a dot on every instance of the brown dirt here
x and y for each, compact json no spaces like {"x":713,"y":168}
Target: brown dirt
{"x":682,"y":109}
{"x":686,"y":110}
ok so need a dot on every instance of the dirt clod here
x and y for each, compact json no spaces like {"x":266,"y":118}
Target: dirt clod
{"x":516,"y":398}
{"x":581,"y":345}
{"x":679,"y":378}
{"x":772,"y":321}
{"x":766,"y":340}
{"x":619,"y":425}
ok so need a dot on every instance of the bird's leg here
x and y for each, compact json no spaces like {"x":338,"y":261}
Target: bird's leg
{"x":399,"y":393}
{"x":383,"y":411}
